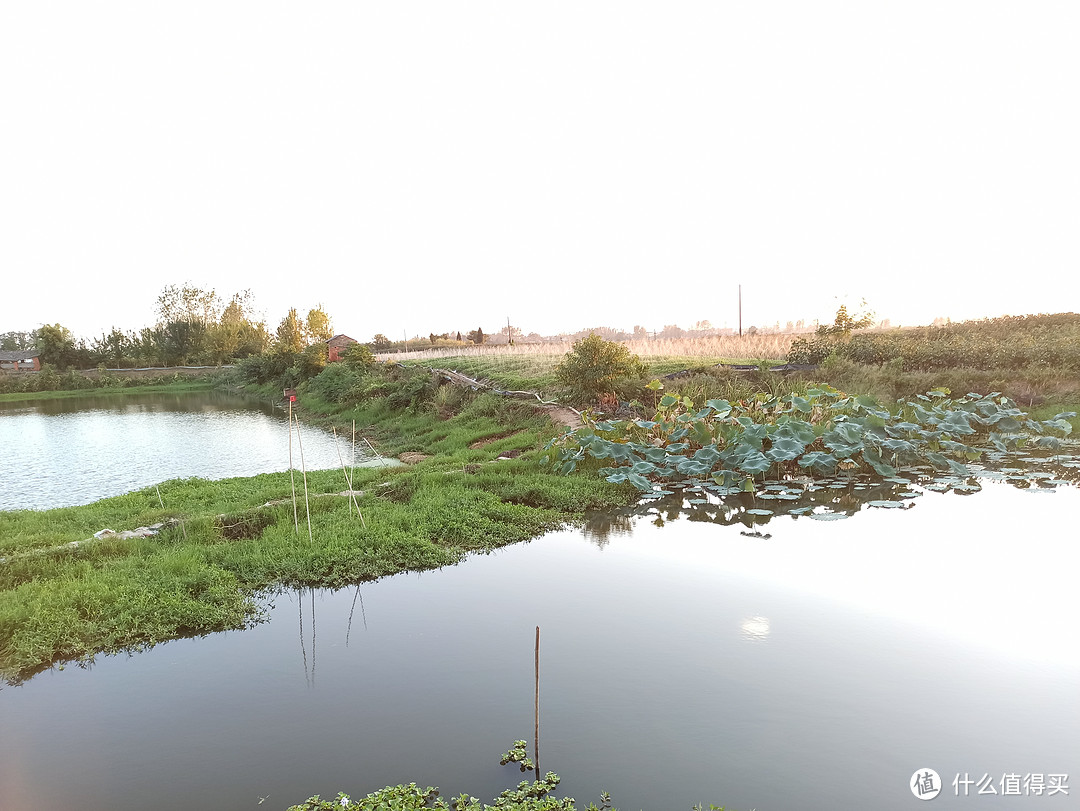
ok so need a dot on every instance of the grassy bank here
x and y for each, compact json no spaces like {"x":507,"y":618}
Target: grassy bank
{"x":63,"y":601}
{"x":172,"y":387}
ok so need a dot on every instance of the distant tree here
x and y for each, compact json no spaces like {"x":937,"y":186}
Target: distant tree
{"x":10,"y":341}
{"x":458,"y":339}
{"x":380,"y":342}
{"x":290,"y":333}
{"x":238,"y":334}
{"x":115,"y":348}
{"x":476,"y":336}
{"x":187,"y":303}
{"x":844,"y":323}
{"x":56,"y":345}
{"x":640,"y":333}
{"x":752,"y":331}
{"x":672,"y":331}
{"x":319,"y":326}
{"x":511,"y":333}
{"x":183,"y":341}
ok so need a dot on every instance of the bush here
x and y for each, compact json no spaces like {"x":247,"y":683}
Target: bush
{"x":595,"y":367}
{"x":335,"y":383}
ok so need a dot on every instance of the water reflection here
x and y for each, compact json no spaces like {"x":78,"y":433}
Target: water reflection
{"x":679,"y":662}
{"x":829,"y":499}
{"x":600,"y":527}
{"x":755,"y":629}
{"x":352,"y":610}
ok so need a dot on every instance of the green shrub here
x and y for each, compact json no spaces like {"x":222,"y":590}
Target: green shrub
{"x":595,"y":367}
{"x":335,"y":383}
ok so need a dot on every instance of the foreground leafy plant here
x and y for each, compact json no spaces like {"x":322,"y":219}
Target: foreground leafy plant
{"x":528,"y":796}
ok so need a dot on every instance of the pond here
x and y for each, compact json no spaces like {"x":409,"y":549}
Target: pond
{"x":68,"y":451}
{"x":799,"y":664}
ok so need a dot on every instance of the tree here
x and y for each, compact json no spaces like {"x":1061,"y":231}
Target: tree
{"x":358,"y":357}
{"x":476,"y":336}
{"x":114,"y":348}
{"x":844,"y":323}
{"x":56,"y":345}
{"x":187,"y":303}
{"x":319,"y":326}
{"x":237,"y":334}
{"x":380,"y":342}
{"x":11,"y":341}
{"x":594,"y":366}
{"x":290,"y":333}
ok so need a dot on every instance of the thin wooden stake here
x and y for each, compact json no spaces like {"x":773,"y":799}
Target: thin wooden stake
{"x":536,"y":704}
{"x":348,"y":481}
{"x":303,"y":469}
{"x":292,"y":477}
{"x":183,"y":526}
{"x":377,"y":454}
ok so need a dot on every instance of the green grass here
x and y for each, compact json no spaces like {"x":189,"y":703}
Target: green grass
{"x":60,"y":602}
{"x":537,"y":372}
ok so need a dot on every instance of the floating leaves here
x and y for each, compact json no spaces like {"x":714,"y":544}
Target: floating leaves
{"x":834,"y":445}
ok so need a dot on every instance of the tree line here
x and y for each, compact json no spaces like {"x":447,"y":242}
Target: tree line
{"x":192,"y":327}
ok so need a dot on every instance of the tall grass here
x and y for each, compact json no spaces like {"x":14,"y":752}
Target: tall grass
{"x":734,"y":347}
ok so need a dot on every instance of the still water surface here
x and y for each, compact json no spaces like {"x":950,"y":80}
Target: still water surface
{"x":814,"y":669}
{"x":77,"y":450}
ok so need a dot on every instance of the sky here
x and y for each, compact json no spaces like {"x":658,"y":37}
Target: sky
{"x":424,"y":167}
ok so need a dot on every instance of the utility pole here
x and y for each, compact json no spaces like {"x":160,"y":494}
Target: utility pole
{"x":740,"y":310}
{"x":406,"y":335}
{"x":509,"y":333}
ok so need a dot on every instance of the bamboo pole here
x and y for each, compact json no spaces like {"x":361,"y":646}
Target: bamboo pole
{"x":536,"y":703}
{"x":348,"y":481}
{"x":303,"y":469}
{"x":292,"y":476}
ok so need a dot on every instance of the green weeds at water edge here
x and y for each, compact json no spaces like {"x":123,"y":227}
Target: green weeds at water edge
{"x":536,"y":795}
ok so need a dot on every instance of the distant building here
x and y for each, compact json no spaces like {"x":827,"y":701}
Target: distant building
{"x":336,"y":345}
{"x":20,"y":360}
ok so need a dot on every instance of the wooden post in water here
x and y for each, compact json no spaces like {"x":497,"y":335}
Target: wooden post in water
{"x":536,"y":704}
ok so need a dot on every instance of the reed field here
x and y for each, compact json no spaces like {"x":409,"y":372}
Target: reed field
{"x":532,"y":366}
{"x":734,"y":347}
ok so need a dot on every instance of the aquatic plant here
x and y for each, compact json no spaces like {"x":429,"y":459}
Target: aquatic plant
{"x":826,"y":432}
{"x":527,"y":796}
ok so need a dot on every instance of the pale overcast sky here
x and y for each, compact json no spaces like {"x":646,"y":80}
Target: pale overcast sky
{"x":443,"y":165}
